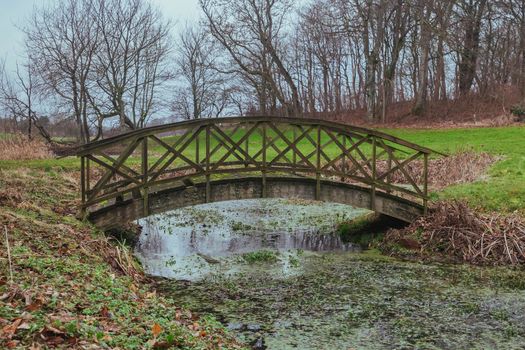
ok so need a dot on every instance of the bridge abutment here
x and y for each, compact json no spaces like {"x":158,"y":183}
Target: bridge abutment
{"x":251,"y":188}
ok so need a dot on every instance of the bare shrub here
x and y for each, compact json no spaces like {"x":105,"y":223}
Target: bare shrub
{"x":456,"y":232}
{"x":19,"y":147}
{"x":462,"y":167}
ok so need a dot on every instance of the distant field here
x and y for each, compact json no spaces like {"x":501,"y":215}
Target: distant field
{"x":503,"y":190}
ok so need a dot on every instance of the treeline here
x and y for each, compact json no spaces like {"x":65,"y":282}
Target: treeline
{"x":340,"y":55}
{"x":97,"y":61}
{"x":91,"y":61}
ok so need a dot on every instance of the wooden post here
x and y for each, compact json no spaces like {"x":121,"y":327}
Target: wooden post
{"x":83,"y":185}
{"x":373,"y":189}
{"x":318,"y":166}
{"x":264,"y":161}
{"x":197,"y":156}
{"x":294,"y":154}
{"x":145,"y":175}
{"x":343,"y":168}
{"x":246,"y":143}
{"x":208,"y":185}
{"x":425,"y":184}
{"x":88,"y":177}
{"x":388,"y":176}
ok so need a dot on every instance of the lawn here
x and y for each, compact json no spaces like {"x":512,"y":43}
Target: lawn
{"x":504,"y":189}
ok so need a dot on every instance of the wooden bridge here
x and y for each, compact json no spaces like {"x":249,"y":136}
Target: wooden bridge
{"x":164,"y":167}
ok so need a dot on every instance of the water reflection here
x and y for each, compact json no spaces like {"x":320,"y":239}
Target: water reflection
{"x":192,"y":243}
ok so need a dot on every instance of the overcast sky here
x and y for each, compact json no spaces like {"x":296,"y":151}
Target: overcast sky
{"x":14,"y":12}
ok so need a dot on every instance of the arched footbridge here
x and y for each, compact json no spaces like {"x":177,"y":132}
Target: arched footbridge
{"x":159,"y":168}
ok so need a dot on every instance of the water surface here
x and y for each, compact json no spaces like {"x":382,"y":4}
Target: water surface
{"x":177,"y":244}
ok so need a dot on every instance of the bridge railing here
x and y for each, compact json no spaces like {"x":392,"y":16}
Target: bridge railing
{"x":135,"y":164}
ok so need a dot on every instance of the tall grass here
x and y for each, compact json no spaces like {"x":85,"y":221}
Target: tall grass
{"x":20,"y":147}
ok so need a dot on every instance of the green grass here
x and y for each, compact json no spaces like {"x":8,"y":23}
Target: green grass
{"x":505,"y":188}
{"x":68,"y":163}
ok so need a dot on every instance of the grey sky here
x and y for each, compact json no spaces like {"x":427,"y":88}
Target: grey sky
{"x":14,"y":12}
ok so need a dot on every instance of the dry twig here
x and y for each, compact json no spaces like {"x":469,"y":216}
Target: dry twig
{"x":454,"y":230}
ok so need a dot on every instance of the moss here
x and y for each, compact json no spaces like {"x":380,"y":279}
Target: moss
{"x":239,"y":226}
{"x":367,"y":301}
{"x":260,"y":256}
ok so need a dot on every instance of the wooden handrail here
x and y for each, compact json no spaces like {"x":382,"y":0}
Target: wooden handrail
{"x":157,"y":129}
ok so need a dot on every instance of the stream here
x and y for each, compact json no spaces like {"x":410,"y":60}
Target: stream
{"x":276,"y":274}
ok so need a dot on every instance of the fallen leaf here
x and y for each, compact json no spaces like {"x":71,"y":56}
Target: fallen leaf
{"x":26,"y":316}
{"x":156,"y":329}
{"x":35,"y":346}
{"x":162,"y":345}
{"x":9,"y":330}
{"x":151,"y":295}
{"x":24,"y":325}
{"x":178,"y":315}
{"x":110,"y":327}
{"x":28,"y":298}
{"x":11,"y":344}
{"x":104,"y":312}
{"x":34,"y":306}
{"x":51,"y":330}
{"x":56,"y":340}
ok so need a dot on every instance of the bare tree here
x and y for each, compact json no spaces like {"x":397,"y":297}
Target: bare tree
{"x":424,"y":15}
{"x":514,"y":12}
{"x":131,"y":61}
{"x":108,"y":61}
{"x":365,"y":19}
{"x":471,"y":15}
{"x":17,"y":98}
{"x":61,"y":41}
{"x":251,"y":32}
{"x":203,"y":90}
{"x":97,"y":59}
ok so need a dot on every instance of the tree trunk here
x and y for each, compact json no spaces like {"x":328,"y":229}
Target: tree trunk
{"x":469,"y":54}
{"x":422,"y":91}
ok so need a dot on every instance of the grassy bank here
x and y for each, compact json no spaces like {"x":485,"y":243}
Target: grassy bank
{"x":504,"y":188}
{"x":73,"y":288}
